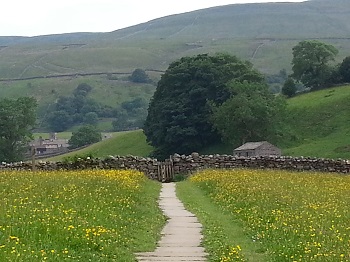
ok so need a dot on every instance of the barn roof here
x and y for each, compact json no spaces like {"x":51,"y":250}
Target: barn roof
{"x":250,"y":146}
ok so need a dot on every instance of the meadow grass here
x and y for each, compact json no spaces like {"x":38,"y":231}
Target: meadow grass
{"x":222,"y":233}
{"x":291,"y":216}
{"x":91,"y":215}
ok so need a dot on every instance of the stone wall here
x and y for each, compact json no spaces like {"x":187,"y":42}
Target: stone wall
{"x":188,"y":164}
{"x":147,"y":165}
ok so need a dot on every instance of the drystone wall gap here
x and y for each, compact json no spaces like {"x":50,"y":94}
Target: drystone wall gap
{"x":185,"y":165}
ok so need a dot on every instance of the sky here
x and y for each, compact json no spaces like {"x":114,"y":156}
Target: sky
{"x":43,"y":17}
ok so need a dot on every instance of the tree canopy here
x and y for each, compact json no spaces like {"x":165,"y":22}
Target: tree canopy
{"x":179,"y":113}
{"x":76,"y":109}
{"x":85,"y":135}
{"x":344,"y":70}
{"x":311,"y":63}
{"x":289,"y":88}
{"x":139,"y":76}
{"x":252,"y":113}
{"x":17,"y":117}
{"x":130,"y":115}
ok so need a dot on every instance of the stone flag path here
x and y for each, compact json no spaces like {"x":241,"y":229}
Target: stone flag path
{"x":181,"y":236}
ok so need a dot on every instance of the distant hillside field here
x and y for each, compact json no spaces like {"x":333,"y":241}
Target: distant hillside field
{"x":261,"y":33}
{"x":320,"y":123}
{"x":105,"y":91}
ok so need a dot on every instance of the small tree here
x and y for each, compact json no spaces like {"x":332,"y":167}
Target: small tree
{"x":139,"y":76}
{"x":17,"y":117}
{"x":82,"y":89}
{"x":85,"y":135}
{"x":289,"y":88}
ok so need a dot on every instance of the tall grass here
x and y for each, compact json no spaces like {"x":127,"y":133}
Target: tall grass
{"x":77,"y":216}
{"x":293,"y":216}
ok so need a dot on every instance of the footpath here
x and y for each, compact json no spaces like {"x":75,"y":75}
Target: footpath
{"x":181,"y":236}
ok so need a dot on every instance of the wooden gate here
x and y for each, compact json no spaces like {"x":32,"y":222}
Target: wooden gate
{"x":166,"y":171}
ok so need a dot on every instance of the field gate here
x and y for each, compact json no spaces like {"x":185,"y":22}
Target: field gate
{"x":166,"y":171}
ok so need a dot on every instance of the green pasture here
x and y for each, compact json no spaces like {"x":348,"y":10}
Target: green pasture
{"x":320,"y":124}
{"x":121,"y":143}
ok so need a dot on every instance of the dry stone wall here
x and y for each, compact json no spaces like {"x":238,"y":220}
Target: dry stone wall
{"x":186,"y":165}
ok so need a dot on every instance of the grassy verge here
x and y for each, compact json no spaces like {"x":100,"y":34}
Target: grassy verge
{"x":292,"y":216}
{"x":77,"y":216}
{"x":224,"y":237}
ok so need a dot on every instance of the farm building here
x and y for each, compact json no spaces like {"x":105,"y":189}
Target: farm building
{"x":262,"y":148}
{"x":49,"y":146}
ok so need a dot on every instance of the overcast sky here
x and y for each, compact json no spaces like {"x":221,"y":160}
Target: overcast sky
{"x":42,"y":17}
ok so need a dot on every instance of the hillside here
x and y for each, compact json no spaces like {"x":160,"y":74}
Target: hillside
{"x":48,"y":67}
{"x":239,"y":29}
{"x":122,"y":143}
{"x":320,"y":124}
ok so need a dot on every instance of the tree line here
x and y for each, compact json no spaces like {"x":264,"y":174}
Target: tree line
{"x":80,"y":109}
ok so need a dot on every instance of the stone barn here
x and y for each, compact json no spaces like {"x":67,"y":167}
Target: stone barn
{"x":252,"y":149}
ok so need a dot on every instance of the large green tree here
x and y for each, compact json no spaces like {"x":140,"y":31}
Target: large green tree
{"x":311,"y":63}
{"x":252,"y":113}
{"x":17,"y":117}
{"x":179,"y":112}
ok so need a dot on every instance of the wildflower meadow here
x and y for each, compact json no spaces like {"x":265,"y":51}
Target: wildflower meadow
{"x":292,"y":216}
{"x":90,"y":215}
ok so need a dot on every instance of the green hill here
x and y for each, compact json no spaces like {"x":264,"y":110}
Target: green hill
{"x":320,"y":124}
{"x":47,"y":67}
{"x":122,"y":143}
{"x":262,"y":33}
